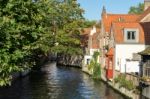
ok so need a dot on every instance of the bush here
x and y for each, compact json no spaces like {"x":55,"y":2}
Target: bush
{"x":97,"y":71}
{"x":116,"y":79}
{"x":128,"y":84}
{"x":95,"y":67}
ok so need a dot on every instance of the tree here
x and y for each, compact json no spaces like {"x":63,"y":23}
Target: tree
{"x":88,"y":23}
{"x":67,"y":28}
{"x":31,"y":28}
{"x":137,"y":9}
{"x":22,"y":30}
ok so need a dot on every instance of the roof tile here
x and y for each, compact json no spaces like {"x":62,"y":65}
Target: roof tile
{"x":118,"y":31}
{"x":108,"y":19}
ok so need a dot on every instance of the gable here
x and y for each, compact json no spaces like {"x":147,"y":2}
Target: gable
{"x":146,"y":18}
{"x":118,"y":31}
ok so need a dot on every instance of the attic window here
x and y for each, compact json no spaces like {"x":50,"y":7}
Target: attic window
{"x":131,"y":35}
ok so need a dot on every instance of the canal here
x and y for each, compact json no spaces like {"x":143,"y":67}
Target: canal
{"x":57,"y":82}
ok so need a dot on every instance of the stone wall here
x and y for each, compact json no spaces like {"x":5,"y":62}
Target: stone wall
{"x":70,"y":60}
{"x":124,"y":91}
{"x":133,"y":78}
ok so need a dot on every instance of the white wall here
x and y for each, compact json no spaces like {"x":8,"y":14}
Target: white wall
{"x":146,"y":91}
{"x":132,"y":66}
{"x":86,"y":57}
{"x":125,"y":51}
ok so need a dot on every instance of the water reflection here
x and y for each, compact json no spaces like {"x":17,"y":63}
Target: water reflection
{"x":58,"y":83}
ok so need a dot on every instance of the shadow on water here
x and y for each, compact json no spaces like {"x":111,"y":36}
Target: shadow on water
{"x":58,"y":82}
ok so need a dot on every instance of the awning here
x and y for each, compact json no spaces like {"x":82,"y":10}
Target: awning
{"x":110,"y":52}
{"x":145,"y":52}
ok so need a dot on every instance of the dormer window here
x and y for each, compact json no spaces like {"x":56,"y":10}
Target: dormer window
{"x":131,"y":35}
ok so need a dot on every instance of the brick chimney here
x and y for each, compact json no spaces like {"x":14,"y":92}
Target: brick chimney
{"x":146,"y":4}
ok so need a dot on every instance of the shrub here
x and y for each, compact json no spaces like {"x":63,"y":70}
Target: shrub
{"x":95,"y":67}
{"x":116,"y":79}
{"x":97,"y":71}
{"x":128,"y":84}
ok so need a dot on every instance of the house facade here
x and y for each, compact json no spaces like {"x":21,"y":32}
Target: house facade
{"x":92,"y":46}
{"x":145,"y":73}
{"x":128,"y":41}
{"x":122,"y":37}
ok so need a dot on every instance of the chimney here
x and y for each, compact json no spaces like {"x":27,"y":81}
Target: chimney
{"x":146,"y":4}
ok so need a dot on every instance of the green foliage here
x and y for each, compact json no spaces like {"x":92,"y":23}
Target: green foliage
{"x":88,"y":23}
{"x":128,"y":84}
{"x":94,"y":66}
{"x":137,"y":9}
{"x":97,"y":71}
{"x":117,"y":79}
{"x":91,"y":65}
{"x":68,"y":20}
{"x":31,"y":28}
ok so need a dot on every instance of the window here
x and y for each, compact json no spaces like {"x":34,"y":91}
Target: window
{"x":147,"y":72}
{"x":131,"y":35}
{"x":147,"y":69}
{"x":88,"y":61}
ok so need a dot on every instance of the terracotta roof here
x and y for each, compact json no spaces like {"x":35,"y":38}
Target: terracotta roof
{"x":145,"y":13}
{"x":85,"y":37}
{"x":110,"y":52}
{"x":108,"y":19}
{"x":118,"y":31}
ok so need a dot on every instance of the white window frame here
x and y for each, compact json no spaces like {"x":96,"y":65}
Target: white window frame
{"x":126,"y":40}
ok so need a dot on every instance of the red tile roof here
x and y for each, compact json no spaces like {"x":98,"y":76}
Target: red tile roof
{"x":85,"y":37}
{"x":108,"y":19}
{"x":118,"y":22}
{"x":118,"y":28}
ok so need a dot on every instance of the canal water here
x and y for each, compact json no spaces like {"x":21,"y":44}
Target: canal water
{"x":57,"y":82}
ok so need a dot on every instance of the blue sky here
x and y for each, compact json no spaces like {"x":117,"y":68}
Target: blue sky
{"x":93,"y":8}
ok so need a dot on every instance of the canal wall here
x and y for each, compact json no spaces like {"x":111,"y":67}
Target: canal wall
{"x":146,"y":92}
{"x":85,"y":69}
{"x":115,"y":86}
{"x":123,"y":90}
{"x":70,"y":60}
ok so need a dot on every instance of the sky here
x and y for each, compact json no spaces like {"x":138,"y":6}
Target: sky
{"x":93,"y":8}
